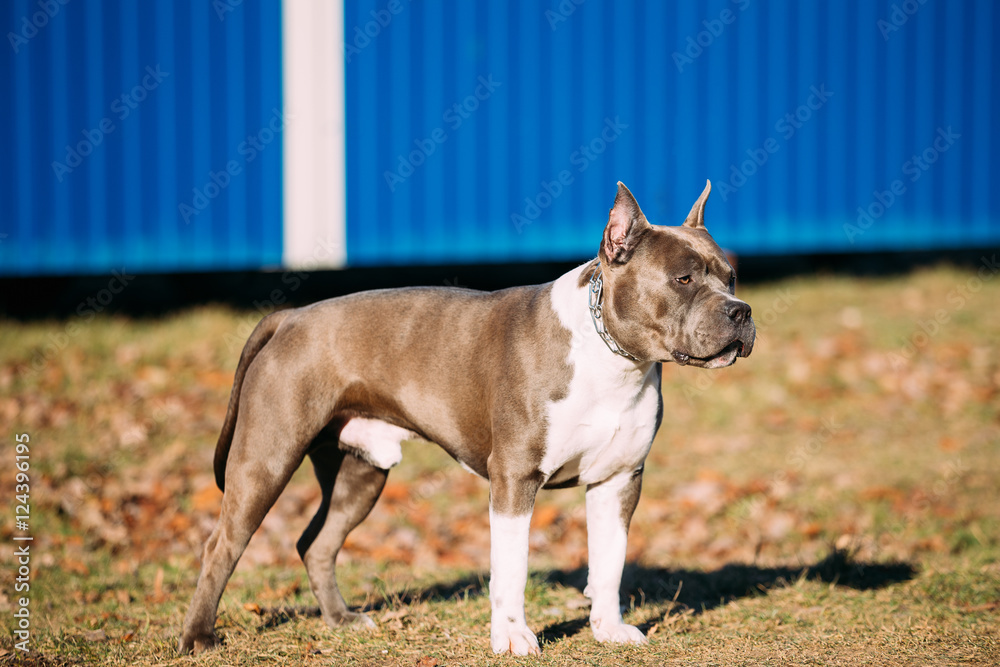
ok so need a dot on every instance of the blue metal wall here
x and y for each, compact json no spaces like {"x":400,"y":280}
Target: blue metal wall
{"x":496,"y":131}
{"x":696,"y":89}
{"x":200,"y":78}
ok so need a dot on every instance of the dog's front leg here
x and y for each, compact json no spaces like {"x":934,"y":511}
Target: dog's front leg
{"x":610,"y":505}
{"x":512,"y":498}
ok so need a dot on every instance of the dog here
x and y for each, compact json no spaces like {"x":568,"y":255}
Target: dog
{"x":543,"y":386}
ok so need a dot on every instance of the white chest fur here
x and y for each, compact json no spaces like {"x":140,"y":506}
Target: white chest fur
{"x":606,"y":423}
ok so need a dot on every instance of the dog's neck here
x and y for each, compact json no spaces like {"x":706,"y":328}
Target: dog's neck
{"x":596,"y":303}
{"x":571,"y":296}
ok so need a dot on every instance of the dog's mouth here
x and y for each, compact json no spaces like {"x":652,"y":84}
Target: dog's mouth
{"x":725,"y":357}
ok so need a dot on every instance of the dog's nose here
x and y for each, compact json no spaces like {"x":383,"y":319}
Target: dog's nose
{"x":738,"y":311}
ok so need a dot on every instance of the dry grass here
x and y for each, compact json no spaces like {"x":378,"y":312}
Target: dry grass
{"x":832,"y":499}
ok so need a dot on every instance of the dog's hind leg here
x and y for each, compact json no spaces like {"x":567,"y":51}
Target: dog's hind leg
{"x":351,"y":486}
{"x":253,"y":486}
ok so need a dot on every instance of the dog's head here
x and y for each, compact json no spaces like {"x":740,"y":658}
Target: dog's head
{"x":669,"y":291}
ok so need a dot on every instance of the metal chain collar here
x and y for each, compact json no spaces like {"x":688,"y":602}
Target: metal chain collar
{"x":596,"y":299}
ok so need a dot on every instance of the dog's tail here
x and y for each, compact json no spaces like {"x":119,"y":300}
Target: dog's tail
{"x":263,"y":333}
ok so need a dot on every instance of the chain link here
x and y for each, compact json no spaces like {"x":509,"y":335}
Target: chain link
{"x":596,"y":300}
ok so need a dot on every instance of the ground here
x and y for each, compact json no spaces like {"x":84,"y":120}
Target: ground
{"x":834,"y":498}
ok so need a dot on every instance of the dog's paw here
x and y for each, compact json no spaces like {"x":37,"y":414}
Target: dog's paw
{"x":617,"y":633}
{"x":197,"y":643}
{"x":515,"y":638}
{"x":350,"y":620}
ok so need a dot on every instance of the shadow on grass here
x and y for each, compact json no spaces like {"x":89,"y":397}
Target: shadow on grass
{"x":685,"y":590}
{"x":472,"y":586}
{"x":699,"y":591}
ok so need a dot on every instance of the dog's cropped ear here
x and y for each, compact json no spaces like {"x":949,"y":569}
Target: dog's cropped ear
{"x":626,"y":227}
{"x":696,"y":218}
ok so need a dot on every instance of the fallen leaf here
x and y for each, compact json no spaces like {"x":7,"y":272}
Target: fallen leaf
{"x":949,"y":444}
{"x":158,"y":585}
{"x":811,"y":529}
{"x":882,"y":493}
{"x":395,"y":491}
{"x":544,"y":516}
{"x":75,"y":566}
{"x":207,"y":498}
{"x":281,"y":592}
{"x":95,"y":635}
{"x":393,"y":615}
{"x":427,"y":661}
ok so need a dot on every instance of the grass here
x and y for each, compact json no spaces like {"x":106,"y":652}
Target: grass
{"x":832,"y":499}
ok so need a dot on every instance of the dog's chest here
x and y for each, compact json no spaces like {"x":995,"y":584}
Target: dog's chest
{"x":594,"y":434}
{"x":606,"y":422}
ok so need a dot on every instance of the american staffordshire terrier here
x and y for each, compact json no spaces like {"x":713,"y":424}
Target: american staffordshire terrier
{"x":544,"y":386}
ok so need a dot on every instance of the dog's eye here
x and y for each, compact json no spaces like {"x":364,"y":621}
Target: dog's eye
{"x":684,"y":280}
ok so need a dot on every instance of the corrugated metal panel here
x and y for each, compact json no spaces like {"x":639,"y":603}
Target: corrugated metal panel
{"x":681,"y":91}
{"x":199,"y":79}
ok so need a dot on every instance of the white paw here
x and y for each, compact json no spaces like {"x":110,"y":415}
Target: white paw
{"x":516,"y":638}
{"x":363,"y":623}
{"x":618,"y":633}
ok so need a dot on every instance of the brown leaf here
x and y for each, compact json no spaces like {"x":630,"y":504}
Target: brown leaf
{"x":253,"y":608}
{"x":544,"y":516}
{"x":281,"y":592}
{"x":215,"y":379}
{"x":811,"y":529}
{"x":427,"y":661}
{"x":949,"y":444}
{"x":207,"y":499}
{"x":95,"y":635}
{"x":75,"y":566}
{"x":395,"y":491}
{"x":393,"y":615}
{"x":158,"y":585}
{"x":882,"y":493}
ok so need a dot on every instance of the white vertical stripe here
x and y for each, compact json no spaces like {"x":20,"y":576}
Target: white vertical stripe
{"x":315,"y":185}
